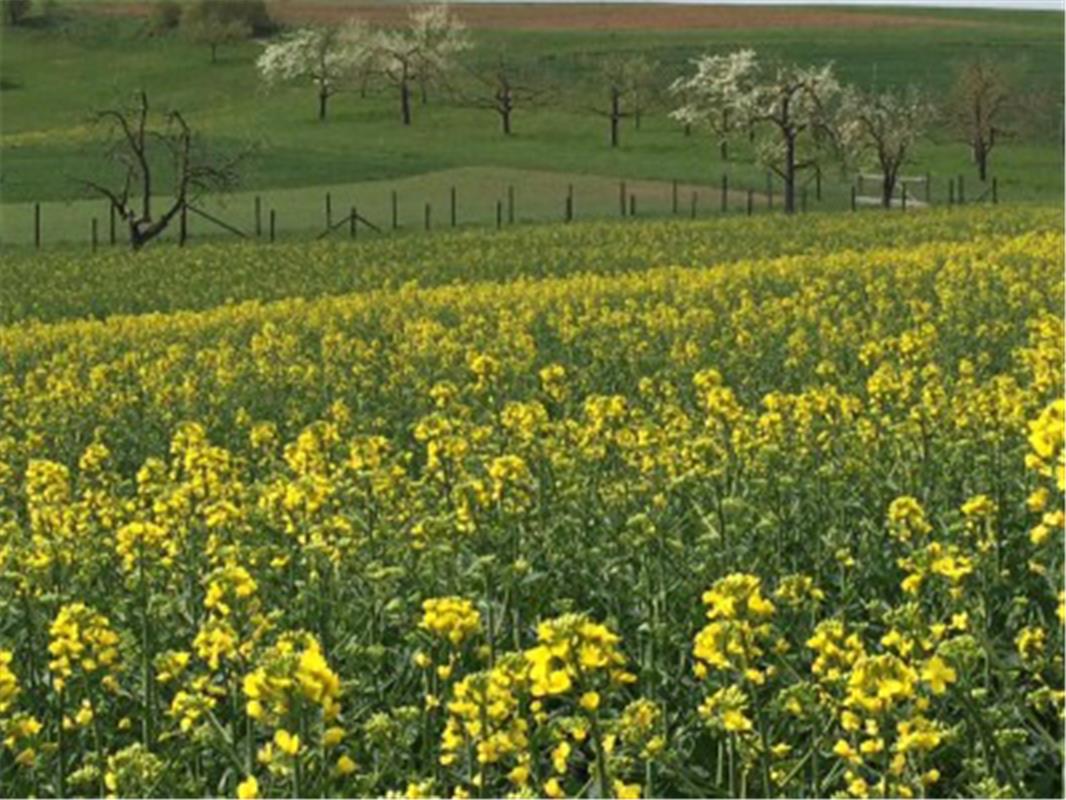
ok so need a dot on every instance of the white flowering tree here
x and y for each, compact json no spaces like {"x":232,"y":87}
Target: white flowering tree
{"x":883,"y":127}
{"x":323,"y":56}
{"x":788,"y":109}
{"x":422,"y":52}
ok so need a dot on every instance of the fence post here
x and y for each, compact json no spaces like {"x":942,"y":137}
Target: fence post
{"x":673,"y":196}
{"x":395,"y":214}
{"x":453,"y":206}
{"x":510,"y":205}
{"x":818,"y":184}
{"x":329,"y":211}
{"x":853,"y":205}
{"x":427,"y":216}
{"x":37,"y":225}
{"x":622,"y":197}
{"x":725,"y":193}
{"x":751,"y":201}
{"x":499,"y":214}
{"x":928,"y":188}
{"x":903,"y":198}
{"x":951,"y":191}
{"x":94,"y":234}
{"x":995,"y":191}
{"x":183,"y":227}
{"x":111,"y":222}
{"x":258,"y":217}
{"x":352,"y":222}
{"x":569,"y":202}
{"x":962,"y":192}
{"x":632,"y":205}
{"x":271,"y":225}
{"x":692,"y":210}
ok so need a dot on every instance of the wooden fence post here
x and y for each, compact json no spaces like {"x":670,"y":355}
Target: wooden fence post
{"x":928,"y":187}
{"x":962,"y":192}
{"x":37,"y":225}
{"x":692,"y":208}
{"x":632,"y":205}
{"x":453,"y":206}
{"x":111,"y":223}
{"x":510,"y":205}
{"x":995,"y":191}
{"x":673,"y":196}
{"x":427,"y":216}
{"x":854,"y":205}
{"x":353,"y":231}
{"x":951,"y":191}
{"x":903,"y":198}
{"x":569,"y":202}
{"x":272,"y":225}
{"x":94,"y":234}
{"x":329,"y":211}
{"x":395,"y":212}
{"x":499,"y":214}
{"x":725,"y":193}
{"x":818,"y":184}
{"x":751,"y":201}
{"x":183,"y":227}
{"x":622,"y":197}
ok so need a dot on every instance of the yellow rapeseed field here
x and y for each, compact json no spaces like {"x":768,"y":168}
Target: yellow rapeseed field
{"x":778,"y":527}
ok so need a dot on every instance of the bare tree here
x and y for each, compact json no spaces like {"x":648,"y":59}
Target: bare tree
{"x":500,"y":87}
{"x":14,"y":11}
{"x":884,"y":126}
{"x":979,"y":101}
{"x":204,"y":24}
{"x":615,"y":76}
{"x":139,"y":149}
{"x":788,"y":105}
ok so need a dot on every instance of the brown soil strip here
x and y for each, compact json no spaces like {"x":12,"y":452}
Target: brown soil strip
{"x":588,"y":16}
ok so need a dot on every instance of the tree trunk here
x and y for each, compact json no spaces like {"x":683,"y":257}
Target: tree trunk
{"x":981,"y":152}
{"x":723,"y":149}
{"x":323,"y":97}
{"x":615,"y":117}
{"x":505,"y":121}
{"x":790,"y":175}
{"x":888,"y":184}
{"x":405,"y":102}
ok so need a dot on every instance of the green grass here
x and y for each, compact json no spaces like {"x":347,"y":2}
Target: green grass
{"x":63,"y":72}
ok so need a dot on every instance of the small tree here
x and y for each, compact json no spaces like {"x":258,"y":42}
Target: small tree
{"x":139,"y":151}
{"x":615,"y":76}
{"x":884,"y":126}
{"x":642,"y":74}
{"x":422,"y":52}
{"x":321,"y":55}
{"x":979,"y":101}
{"x":206,"y":23}
{"x":787,"y":109}
{"x":15,"y":11}
{"x":707,"y":97}
{"x":501,"y":88}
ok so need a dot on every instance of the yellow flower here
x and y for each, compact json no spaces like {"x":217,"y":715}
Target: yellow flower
{"x":938,"y":674}
{"x":248,"y":788}
{"x":590,"y":701}
{"x":845,"y":751}
{"x":288,"y":743}
{"x":345,"y":765}
{"x":553,"y":789}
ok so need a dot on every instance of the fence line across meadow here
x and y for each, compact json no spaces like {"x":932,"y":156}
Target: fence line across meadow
{"x":502,"y":208}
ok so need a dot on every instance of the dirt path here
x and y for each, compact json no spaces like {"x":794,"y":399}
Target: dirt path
{"x":589,"y":16}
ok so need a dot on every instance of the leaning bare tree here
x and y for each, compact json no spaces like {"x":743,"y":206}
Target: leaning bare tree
{"x":141,"y":151}
{"x":883,"y":127}
{"x":979,"y":101}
